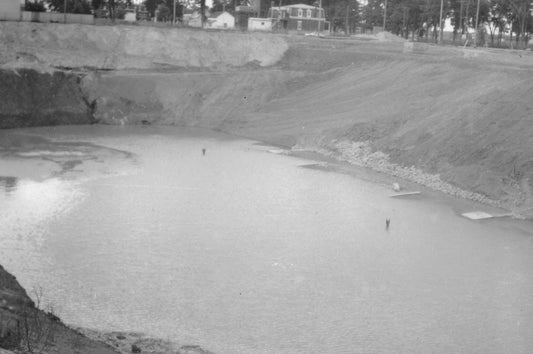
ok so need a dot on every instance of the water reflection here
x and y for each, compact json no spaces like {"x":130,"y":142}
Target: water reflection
{"x":25,"y":216}
{"x":32,"y":204}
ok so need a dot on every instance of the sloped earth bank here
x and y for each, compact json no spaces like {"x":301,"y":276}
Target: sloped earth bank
{"x":26,"y":328}
{"x":454,"y":119}
{"x":22,"y":319}
{"x":23,"y":325}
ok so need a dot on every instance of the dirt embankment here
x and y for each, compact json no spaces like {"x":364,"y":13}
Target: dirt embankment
{"x":26,"y":329}
{"x":454,"y":119}
{"x":73,"y":74}
{"x":30,"y":98}
{"x":129,"y":47}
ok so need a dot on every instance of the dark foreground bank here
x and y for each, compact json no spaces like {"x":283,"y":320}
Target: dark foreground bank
{"x":25,"y":327}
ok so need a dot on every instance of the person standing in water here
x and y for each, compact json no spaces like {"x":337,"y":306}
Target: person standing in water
{"x":203,"y":151}
{"x":387,"y":224}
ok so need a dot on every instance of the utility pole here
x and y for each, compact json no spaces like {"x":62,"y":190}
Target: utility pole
{"x":384,"y":15}
{"x":346,"y":25}
{"x":404,"y":25}
{"x":65,"y":12}
{"x":477,"y":19}
{"x":440,"y":21}
{"x":461,"y":18}
{"x":174,"y":13}
{"x":319,"y":14}
{"x":278,"y":26}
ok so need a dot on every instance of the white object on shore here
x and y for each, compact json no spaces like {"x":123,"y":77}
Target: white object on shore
{"x":477,"y":215}
{"x":396,"y":187}
{"x":277,"y":151}
{"x":404,"y":194}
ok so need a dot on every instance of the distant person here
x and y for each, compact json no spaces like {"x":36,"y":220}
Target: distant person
{"x":387,"y":224}
{"x":203,"y":151}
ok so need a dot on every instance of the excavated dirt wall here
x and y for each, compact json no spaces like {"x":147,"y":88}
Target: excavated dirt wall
{"x":207,"y":99}
{"x":131,"y":47}
{"x":31,"y":98}
{"x":77,"y":74}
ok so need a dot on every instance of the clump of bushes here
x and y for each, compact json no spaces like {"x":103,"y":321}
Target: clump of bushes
{"x":37,"y":6}
{"x":27,"y":327}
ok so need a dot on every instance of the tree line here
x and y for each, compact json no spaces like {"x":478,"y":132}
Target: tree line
{"x":115,"y":8}
{"x":415,"y":18}
{"x":422,"y":18}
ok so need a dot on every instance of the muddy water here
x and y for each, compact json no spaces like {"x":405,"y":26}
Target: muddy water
{"x":247,"y":251}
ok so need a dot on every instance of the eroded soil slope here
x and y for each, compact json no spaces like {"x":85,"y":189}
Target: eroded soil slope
{"x":30,"y":98}
{"x":464,"y":115}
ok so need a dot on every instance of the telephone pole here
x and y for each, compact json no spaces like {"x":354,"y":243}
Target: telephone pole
{"x":174,"y":13}
{"x":319,"y":12}
{"x":346,"y":24}
{"x":477,"y":19}
{"x":385,"y":16}
{"x":440,"y":21}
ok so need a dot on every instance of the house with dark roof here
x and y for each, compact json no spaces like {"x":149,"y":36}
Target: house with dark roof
{"x":299,"y":17}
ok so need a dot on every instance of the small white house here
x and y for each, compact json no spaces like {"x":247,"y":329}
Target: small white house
{"x":223,"y":20}
{"x":130,"y":17}
{"x":260,"y":24}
